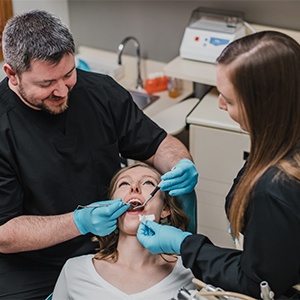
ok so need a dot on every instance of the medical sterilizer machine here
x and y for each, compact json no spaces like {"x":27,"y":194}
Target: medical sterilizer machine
{"x":209,"y":32}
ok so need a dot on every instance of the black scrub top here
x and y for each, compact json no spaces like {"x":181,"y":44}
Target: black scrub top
{"x":49,"y":164}
{"x":271,"y":242}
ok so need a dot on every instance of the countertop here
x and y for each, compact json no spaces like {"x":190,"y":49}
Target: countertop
{"x":128,"y":81}
{"x":207,"y":113}
{"x":205,"y":73}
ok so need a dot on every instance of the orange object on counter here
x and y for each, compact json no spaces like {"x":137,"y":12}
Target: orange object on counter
{"x":173,"y":87}
{"x":156,"y":84}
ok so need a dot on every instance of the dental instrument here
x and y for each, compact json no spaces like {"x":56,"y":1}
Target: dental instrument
{"x":149,"y":198}
{"x":92,"y":206}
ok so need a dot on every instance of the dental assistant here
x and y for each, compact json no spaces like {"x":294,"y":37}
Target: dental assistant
{"x":258,"y":82}
{"x":62,"y":132}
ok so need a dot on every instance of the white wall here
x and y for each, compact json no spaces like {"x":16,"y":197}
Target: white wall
{"x":159,"y":24}
{"x":58,"y":7}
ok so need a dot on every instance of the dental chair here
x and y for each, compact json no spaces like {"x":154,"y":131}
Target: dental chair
{"x":189,"y":206}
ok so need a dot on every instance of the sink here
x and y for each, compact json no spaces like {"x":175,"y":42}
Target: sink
{"x":142,"y":99}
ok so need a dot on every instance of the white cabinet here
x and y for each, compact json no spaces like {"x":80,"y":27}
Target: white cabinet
{"x":218,"y":147}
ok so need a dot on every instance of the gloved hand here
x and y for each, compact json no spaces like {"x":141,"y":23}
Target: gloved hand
{"x":161,"y":238}
{"x":181,"y":179}
{"x":101,"y":220}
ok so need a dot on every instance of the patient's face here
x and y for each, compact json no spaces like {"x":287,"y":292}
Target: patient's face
{"x":135,"y":185}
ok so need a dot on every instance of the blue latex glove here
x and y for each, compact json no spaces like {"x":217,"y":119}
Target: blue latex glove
{"x":181,"y":179}
{"x":161,"y":238}
{"x":100,"y":220}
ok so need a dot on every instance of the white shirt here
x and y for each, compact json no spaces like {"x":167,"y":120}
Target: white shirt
{"x":79,"y":280}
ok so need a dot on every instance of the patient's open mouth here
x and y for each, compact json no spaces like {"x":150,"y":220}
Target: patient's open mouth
{"x":133,"y":204}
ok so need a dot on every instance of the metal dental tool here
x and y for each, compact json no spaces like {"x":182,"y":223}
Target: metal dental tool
{"x":149,"y":198}
{"x":92,"y":206}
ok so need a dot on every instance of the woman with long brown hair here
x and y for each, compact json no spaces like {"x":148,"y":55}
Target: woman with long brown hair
{"x":258,"y":79}
{"x":122,"y":268}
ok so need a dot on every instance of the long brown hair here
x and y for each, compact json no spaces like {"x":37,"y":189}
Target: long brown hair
{"x":265,"y":72}
{"x":108,"y":244}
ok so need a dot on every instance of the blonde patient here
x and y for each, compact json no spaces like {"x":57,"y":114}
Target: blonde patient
{"x":122,"y":268}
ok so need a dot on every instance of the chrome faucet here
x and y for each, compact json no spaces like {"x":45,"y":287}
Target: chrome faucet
{"x":139,"y":82}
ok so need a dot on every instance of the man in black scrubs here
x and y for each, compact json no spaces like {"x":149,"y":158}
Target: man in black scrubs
{"x":62,"y":132}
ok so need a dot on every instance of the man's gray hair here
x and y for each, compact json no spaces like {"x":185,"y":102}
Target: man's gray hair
{"x":35,"y":35}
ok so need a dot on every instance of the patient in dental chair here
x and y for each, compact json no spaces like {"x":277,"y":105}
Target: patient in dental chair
{"x":122,"y":268}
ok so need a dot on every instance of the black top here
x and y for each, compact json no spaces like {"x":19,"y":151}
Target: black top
{"x":51,"y":163}
{"x":271,"y":243}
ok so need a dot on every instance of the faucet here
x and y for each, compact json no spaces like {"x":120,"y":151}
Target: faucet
{"x":139,"y":82}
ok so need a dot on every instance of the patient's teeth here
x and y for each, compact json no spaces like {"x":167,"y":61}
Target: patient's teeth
{"x":133,"y":203}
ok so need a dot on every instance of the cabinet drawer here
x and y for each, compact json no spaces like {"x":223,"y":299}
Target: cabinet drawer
{"x":218,"y":154}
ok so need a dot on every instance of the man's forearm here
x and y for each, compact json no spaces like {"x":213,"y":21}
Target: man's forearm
{"x":168,"y":154}
{"x":27,"y":233}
